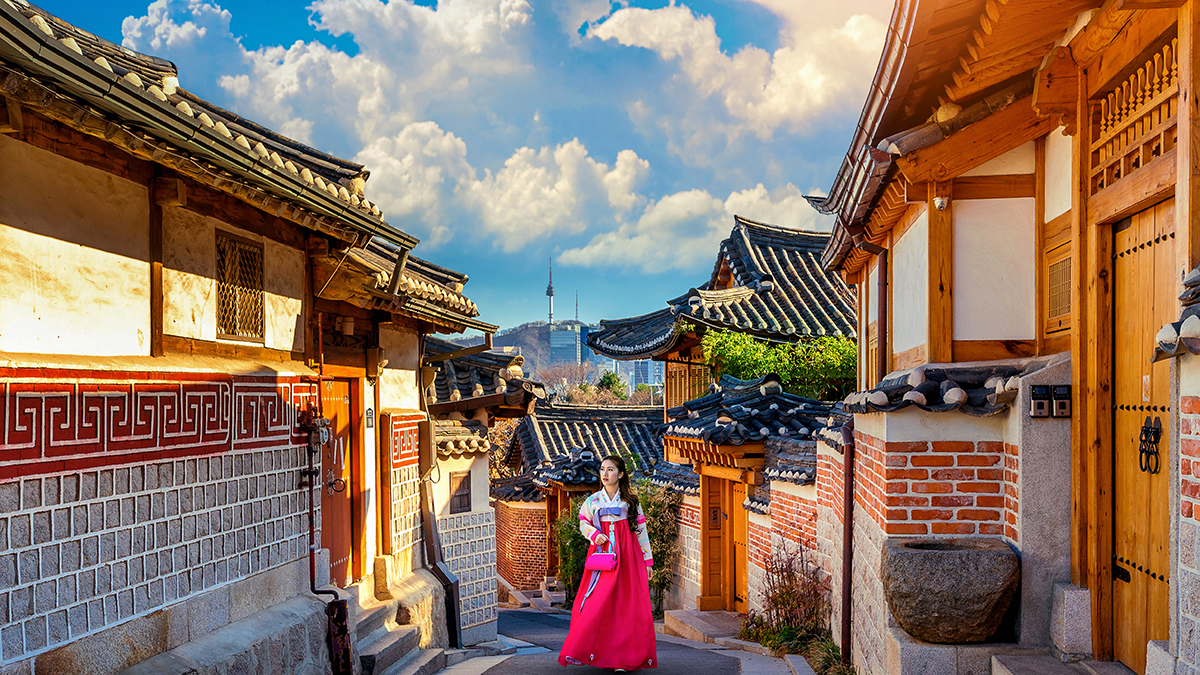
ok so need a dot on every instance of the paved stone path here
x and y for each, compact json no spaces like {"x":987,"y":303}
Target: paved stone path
{"x":545,"y":634}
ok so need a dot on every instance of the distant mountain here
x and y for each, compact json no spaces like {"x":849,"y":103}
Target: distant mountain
{"x":533,"y":338}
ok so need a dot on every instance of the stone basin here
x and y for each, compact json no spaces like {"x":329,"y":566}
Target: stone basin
{"x":949,"y":591}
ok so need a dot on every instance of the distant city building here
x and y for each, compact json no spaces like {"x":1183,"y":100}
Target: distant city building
{"x":645,"y":372}
{"x":564,"y":344}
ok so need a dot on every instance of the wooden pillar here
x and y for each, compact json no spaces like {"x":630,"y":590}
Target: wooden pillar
{"x":1081,"y":502}
{"x":941,"y":273}
{"x":1187,"y":151}
{"x":552,"y":498}
{"x":156,"y":269}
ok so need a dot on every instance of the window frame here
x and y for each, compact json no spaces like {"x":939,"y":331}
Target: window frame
{"x":221,"y":334}
{"x":457,"y":494}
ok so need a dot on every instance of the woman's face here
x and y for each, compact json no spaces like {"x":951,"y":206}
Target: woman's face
{"x":609,"y":475}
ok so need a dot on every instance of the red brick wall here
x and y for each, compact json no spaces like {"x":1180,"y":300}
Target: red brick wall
{"x":794,"y":518}
{"x":760,"y":544}
{"x":1012,"y":475}
{"x":521,"y":545}
{"x":830,"y":472}
{"x":1189,"y":447}
{"x":931,"y":487}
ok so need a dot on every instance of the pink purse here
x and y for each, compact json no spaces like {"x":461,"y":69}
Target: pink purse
{"x":602,"y":562}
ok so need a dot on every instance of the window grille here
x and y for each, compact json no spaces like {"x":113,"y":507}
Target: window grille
{"x":239,"y":288}
{"x":1058,"y":294}
{"x":460,"y":491}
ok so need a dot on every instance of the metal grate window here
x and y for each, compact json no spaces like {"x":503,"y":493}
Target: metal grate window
{"x":460,"y":491}
{"x":239,"y":288}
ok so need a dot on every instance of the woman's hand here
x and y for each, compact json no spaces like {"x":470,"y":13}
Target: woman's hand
{"x":600,"y":540}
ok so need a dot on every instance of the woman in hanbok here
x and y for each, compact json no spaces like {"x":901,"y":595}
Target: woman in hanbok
{"x":612,"y":625}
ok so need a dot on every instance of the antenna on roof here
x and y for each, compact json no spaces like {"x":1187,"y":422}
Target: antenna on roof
{"x":576,"y":305}
{"x":550,"y":291}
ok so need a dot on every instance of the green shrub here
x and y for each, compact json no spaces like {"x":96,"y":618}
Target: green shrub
{"x":572,"y":549}
{"x":661,"y":508}
{"x":822,"y":368}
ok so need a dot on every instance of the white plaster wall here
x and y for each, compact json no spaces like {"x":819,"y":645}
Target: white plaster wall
{"x":808,"y":491}
{"x":914,"y":424}
{"x":994,"y":276}
{"x":872,"y":295}
{"x":283,"y":302}
{"x":1058,"y":174}
{"x":398,"y":381}
{"x":74,"y":257}
{"x":910,"y":287}
{"x":190,"y":285}
{"x":478,"y":466}
{"x":189,"y":275}
{"x":1021,"y":159}
{"x":1189,"y":376}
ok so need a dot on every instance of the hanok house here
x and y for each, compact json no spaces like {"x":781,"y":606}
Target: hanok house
{"x":472,"y":387}
{"x":753,"y":447}
{"x":768,"y":282}
{"x":170,"y":301}
{"x":1016,"y":209}
{"x":556,"y":452}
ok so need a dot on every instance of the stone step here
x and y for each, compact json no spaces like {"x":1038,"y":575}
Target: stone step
{"x":539,"y":603}
{"x":798,"y":665}
{"x":1029,"y":664}
{"x":373,"y":617}
{"x":518,"y":598}
{"x":421,"y":662}
{"x":554,"y":597}
{"x":701,"y":626}
{"x":387,"y":647}
{"x":1105,"y":668}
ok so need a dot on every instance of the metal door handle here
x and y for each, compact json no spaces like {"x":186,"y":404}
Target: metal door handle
{"x":336,"y":485}
{"x":1148,"y":445}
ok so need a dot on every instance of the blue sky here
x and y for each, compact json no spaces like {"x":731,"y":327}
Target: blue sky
{"x":617,"y":138}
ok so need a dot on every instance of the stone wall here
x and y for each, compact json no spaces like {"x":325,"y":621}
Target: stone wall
{"x":686,"y":586}
{"x":830,"y":472}
{"x":868,"y":606}
{"x":167,"y":486}
{"x":1186,"y":574}
{"x":521,"y":543}
{"x":468,"y":546}
{"x":758,"y":552}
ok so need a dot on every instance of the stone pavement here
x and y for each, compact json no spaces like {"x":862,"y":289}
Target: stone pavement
{"x":545,"y":633}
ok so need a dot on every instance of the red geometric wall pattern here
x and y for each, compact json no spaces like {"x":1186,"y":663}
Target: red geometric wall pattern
{"x":66,"y":420}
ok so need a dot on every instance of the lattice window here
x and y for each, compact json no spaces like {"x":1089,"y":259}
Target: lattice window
{"x":239,"y":288}
{"x":1058,"y":290}
{"x":460,"y":491}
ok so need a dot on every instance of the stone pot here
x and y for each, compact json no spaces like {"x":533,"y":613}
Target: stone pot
{"x":949,"y":591}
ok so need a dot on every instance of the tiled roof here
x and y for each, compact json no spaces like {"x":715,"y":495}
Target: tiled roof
{"x":757,"y":504}
{"x":519,"y":488}
{"x":134,"y":101}
{"x":979,"y":389}
{"x":577,"y":468}
{"x":458,"y":438}
{"x":676,"y":477}
{"x":477,"y":375}
{"x":767,"y":281}
{"x":555,"y":430}
{"x":742,"y":411}
{"x":791,"y":461}
{"x":1183,"y":335}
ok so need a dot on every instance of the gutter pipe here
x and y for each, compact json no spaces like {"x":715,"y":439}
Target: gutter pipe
{"x":847,"y":536}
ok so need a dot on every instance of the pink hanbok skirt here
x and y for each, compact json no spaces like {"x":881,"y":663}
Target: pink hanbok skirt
{"x":613,"y":626}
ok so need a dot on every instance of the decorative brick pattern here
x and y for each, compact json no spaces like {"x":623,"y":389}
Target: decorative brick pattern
{"x":931,"y":487}
{"x":407,"y":540}
{"x":67,"y":420}
{"x":92,"y":549}
{"x":520,"y":544}
{"x":1188,"y":573}
{"x":468,"y":545}
{"x":689,"y":538}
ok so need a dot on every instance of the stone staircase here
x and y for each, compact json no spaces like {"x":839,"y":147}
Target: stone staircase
{"x":1044,"y":664}
{"x":551,"y":592}
{"x":382,"y":644}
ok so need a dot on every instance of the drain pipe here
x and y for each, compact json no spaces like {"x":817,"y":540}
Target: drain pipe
{"x":337,"y":610}
{"x":847,"y":535}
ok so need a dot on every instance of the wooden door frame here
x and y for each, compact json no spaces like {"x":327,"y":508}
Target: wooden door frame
{"x":726,"y":598}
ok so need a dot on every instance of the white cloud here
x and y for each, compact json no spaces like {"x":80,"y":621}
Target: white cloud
{"x":824,"y":61}
{"x":158,"y":30}
{"x":681,"y":231}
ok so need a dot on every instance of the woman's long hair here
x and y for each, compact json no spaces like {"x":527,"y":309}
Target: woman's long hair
{"x":625,"y":491}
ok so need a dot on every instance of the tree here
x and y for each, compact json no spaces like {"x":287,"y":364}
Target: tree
{"x":822,"y":367}
{"x":612,"y":382}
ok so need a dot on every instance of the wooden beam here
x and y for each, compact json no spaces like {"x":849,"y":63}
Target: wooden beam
{"x":1187,"y":149}
{"x":1099,"y":33}
{"x":1039,"y":237}
{"x":995,"y":187}
{"x":169,"y":191}
{"x":1129,"y":50}
{"x":1081,"y":466}
{"x":916,"y":193}
{"x":1149,"y":4}
{"x":941,"y":273}
{"x":466,"y":351}
{"x":984,"y":140}
{"x":1056,"y":88}
{"x":11,"y":120}
{"x":1143,"y":188}
{"x":173,"y":344}
{"x":991,"y":350}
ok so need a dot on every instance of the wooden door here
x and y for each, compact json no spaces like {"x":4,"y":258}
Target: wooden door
{"x":712,"y":544}
{"x":739,"y":521}
{"x":337,"y":523}
{"x":1144,"y":289}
